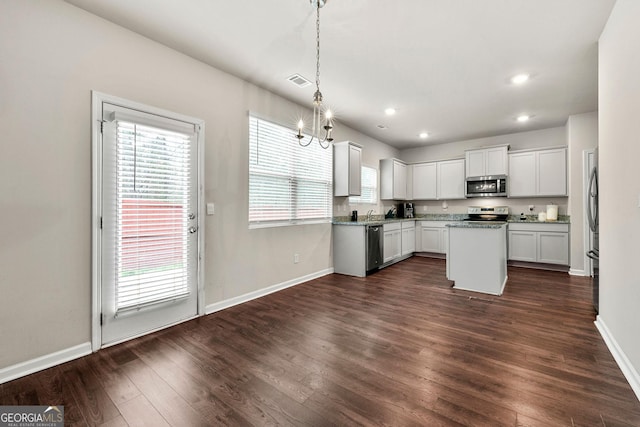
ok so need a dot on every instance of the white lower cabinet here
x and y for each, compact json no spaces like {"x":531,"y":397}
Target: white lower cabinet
{"x":392,"y":234}
{"x":408,"y":237}
{"x":543,"y":243}
{"x":399,"y":241}
{"x":553,"y":248}
{"x":432,"y":236}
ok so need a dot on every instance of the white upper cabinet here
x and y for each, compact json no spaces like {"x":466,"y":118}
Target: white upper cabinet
{"x":486,"y":161}
{"x":424,"y":181}
{"x":522,"y":174}
{"x":540,"y":173}
{"x":393,"y":179}
{"x":438,"y":180}
{"x":347,"y":164}
{"x":552,"y":172}
{"x":450,"y":179}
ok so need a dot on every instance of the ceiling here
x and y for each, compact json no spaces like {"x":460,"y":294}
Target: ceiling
{"x":444,"y":65}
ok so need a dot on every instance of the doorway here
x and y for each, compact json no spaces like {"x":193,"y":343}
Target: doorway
{"x":147,"y":202}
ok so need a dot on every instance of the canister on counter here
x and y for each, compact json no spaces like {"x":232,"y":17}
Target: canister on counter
{"x":552,"y":212}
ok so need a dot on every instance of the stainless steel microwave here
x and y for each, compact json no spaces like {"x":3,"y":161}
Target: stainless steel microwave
{"x":486,"y":186}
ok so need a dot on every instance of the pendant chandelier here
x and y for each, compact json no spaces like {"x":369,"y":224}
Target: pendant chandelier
{"x":317,"y":99}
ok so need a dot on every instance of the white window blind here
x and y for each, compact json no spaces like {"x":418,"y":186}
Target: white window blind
{"x":152,"y":207}
{"x":368,"y":187}
{"x":287,"y":183}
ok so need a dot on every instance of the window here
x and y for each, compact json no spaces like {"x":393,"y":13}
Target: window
{"x":369,"y":187}
{"x":288,"y":184}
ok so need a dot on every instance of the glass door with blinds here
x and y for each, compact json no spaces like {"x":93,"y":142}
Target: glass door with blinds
{"x":149,"y":254}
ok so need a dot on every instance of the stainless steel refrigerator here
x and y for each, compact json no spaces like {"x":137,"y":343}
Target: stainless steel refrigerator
{"x":592,"y":215}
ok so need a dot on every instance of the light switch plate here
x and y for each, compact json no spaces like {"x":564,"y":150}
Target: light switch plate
{"x":211,"y":209}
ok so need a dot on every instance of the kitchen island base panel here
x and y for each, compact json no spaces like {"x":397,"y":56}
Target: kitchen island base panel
{"x":477,"y":258}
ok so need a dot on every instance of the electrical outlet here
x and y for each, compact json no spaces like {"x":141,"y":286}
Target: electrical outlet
{"x":296,"y":258}
{"x":211,"y":209}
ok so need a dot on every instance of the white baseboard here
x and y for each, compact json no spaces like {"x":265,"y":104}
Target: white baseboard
{"x":43,"y":362}
{"x":574,"y":272}
{"x":212,"y":308}
{"x":629,"y":372}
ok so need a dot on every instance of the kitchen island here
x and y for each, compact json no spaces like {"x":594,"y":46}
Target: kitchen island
{"x":477,"y":256}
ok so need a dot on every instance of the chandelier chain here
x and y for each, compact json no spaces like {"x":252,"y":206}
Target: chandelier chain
{"x":318,"y":46}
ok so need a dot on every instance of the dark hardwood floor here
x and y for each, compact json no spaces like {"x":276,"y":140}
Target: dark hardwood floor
{"x":398,"y":348}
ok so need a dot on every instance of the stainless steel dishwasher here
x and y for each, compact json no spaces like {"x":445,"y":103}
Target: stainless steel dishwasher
{"x":374,"y":247}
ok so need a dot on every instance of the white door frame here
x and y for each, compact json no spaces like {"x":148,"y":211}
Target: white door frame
{"x":97,"y":100}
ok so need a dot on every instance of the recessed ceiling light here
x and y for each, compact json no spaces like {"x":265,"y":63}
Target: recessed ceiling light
{"x":390,"y":111}
{"x":523,"y":118}
{"x":423,"y":135}
{"x":519,"y":79}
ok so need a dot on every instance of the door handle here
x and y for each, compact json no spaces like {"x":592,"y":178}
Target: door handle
{"x":193,"y":229}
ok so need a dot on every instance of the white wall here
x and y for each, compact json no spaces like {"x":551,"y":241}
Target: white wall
{"x":619,"y":159}
{"x":53,"y":55}
{"x":552,"y":137}
{"x":582,"y":134}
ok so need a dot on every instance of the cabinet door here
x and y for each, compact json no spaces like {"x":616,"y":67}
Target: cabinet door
{"x":475,"y":163}
{"x":552,"y":172}
{"x":424,"y":181}
{"x":388,"y":251}
{"x":409,"y":181}
{"x":444,"y":240}
{"x":496,"y":161}
{"x":553,"y":248}
{"x":399,"y":180}
{"x":411,"y":245}
{"x":408,"y":241}
{"x":397,"y":242}
{"x":451,"y":179}
{"x":522,"y":246}
{"x":430,"y":239}
{"x":355,"y":165}
{"x":522,"y":175}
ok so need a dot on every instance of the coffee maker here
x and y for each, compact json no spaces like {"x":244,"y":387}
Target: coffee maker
{"x":405,"y":210}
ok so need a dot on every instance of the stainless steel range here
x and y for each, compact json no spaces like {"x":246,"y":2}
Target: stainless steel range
{"x":488,"y":213}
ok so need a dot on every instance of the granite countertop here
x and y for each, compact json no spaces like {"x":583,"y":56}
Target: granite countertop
{"x":380,"y":219}
{"x":375,"y":220}
{"x":562,"y":219}
{"x":477,"y":224}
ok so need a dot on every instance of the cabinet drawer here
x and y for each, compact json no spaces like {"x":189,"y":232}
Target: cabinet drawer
{"x":542,"y":226}
{"x":434,"y":224}
{"x":408,"y":225}
{"x":392,"y":226}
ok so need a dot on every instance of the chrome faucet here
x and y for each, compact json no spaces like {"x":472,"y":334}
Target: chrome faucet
{"x":369,"y":214}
